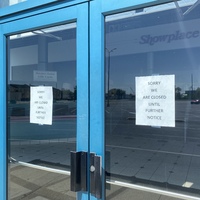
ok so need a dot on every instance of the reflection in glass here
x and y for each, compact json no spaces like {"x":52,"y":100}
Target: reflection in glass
{"x":153,"y":41}
{"x":46,"y":58}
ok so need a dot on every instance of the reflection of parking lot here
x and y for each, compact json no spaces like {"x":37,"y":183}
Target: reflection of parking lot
{"x":156,"y":156}
{"x":60,"y":128}
{"x":63,"y":125}
{"x":43,"y":144}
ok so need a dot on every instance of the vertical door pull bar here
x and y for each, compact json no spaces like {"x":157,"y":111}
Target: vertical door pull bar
{"x":78,"y":171}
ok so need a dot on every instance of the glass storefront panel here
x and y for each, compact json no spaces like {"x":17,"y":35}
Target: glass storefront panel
{"x":152,"y":100}
{"x":41,"y":108}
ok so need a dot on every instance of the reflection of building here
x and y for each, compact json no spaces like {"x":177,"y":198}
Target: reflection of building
{"x":193,"y":94}
{"x":19,"y":92}
{"x":57,"y":94}
{"x":190,"y":93}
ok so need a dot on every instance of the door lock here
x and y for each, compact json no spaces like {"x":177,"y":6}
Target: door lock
{"x":92,"y":168}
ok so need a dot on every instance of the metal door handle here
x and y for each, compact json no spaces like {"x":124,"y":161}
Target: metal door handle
{"x":96,"y":175}
{"x":79,"y":168}
{"x":78,"y":171}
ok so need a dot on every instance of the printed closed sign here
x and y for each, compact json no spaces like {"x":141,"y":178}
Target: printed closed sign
{"x":155,"y":100}
{"x":41,"y":105}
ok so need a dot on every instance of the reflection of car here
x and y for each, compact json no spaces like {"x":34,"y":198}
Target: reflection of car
{"x":196,"y":101}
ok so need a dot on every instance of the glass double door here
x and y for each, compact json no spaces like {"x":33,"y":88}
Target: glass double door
{"x":128,"y":93}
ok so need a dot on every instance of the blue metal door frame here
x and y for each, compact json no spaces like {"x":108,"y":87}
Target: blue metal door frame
{"x":78,"y":14}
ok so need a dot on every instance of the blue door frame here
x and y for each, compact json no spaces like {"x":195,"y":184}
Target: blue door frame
{"x":90,"y":18}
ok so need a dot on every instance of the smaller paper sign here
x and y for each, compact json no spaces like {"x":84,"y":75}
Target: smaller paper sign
{"x":155,"y":100}
{"x":41,"y":105}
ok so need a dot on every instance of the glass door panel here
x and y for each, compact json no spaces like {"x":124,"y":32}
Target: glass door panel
{"x":42,"y":108}
{"x":152,"y":101}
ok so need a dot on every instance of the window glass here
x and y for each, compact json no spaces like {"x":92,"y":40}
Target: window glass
{"x":41,"y":107}
{"x":152,"y":104}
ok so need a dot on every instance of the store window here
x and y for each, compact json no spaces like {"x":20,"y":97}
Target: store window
{"x":152,"y":104}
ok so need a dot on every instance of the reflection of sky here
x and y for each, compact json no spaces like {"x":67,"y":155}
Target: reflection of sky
{"x":179,"y":57}
{"x":125,"y":68}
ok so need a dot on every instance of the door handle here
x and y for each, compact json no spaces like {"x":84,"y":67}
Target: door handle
{"x":79,"y":175}
{"x":95,"y":175}
{"x":78,"y":171}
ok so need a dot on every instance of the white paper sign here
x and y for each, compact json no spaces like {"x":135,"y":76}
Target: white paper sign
{"x":155,"y":100}
{"x":41,"y":105}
